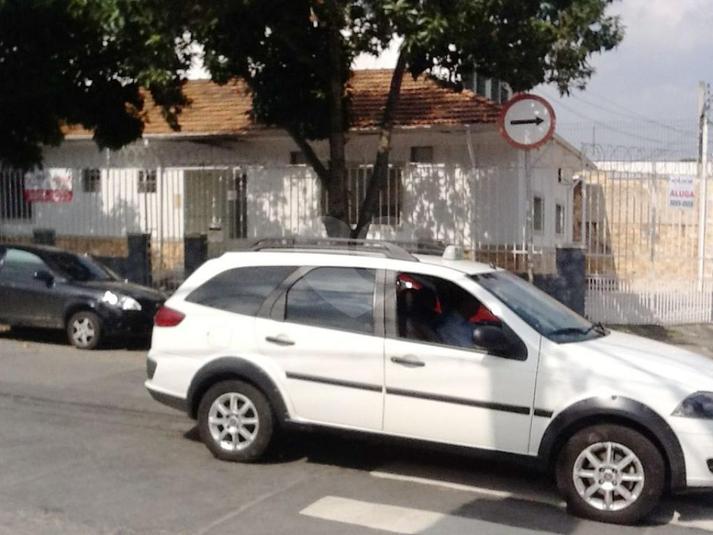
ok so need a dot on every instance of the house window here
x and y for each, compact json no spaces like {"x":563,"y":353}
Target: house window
{"x":538,"y":214}
{"x":423,"y":154}
{"x":297,"y":157}
{"x":91,"y":180}
{"x":12,"y":197}
{"x":147,"y":181}
{"x":559,"y":219}
{"x":389,"y":202}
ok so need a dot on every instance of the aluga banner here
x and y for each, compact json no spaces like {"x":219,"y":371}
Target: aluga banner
{"x":681,"y":191}
{"x":48,"y":185}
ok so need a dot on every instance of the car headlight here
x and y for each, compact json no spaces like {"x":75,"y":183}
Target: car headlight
{"x":124,"y":302}
{"x":698,"y":405}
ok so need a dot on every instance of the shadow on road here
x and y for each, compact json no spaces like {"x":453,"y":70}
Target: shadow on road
{"x":58,"y":337}
{"x":512,"y":491}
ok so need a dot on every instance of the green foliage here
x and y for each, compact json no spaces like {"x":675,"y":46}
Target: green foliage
{"x":281,"y":49}
{"x":83,"y":62}
{"x":520,"y":41}
{"x":279,"y":46}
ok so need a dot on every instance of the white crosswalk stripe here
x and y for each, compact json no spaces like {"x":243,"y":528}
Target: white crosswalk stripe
{"x":372,"y":515}
{"x":402,"y":520}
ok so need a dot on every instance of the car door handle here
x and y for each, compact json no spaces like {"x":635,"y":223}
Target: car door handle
{"x":280,"y":340}
{"x":408,"y":360}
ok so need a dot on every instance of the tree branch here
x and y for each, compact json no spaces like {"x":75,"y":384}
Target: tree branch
{"x":379,"y":174}
{"x":311,"y":157}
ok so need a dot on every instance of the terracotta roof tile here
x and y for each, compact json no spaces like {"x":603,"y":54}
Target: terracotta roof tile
{"x":225,"y":110}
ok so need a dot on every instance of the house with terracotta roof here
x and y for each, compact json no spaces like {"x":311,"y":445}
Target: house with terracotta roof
{"x":452,"y":177}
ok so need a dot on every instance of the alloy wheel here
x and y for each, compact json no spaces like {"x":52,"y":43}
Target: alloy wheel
{"x":608,"y":476}
{"x":233,"y":421}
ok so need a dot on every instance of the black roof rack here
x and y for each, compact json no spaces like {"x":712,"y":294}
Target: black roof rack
{"x":388,"y":249}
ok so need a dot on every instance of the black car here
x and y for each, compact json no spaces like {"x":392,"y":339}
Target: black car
{"x":48,"y":287}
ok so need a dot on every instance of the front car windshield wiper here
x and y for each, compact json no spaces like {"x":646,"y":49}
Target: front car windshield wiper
{"x":580,"y":330}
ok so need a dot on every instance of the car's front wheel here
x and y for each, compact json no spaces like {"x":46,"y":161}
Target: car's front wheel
{"x":611,"y":473}
{"x":84,"y":330}
{"x":235,"y":421}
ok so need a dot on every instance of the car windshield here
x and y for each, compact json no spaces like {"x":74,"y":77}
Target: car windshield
{"x":546,"y":315}
{"x":80,"y":268}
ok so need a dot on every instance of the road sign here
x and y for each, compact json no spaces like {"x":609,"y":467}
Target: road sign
{"x":527,"y":121}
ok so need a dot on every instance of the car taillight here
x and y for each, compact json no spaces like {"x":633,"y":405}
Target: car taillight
{"x":167,"y":317}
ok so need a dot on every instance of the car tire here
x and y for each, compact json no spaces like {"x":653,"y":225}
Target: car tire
{"x":84,"y":330}
{"x":610,"y":473}
{"x":236,"y":421}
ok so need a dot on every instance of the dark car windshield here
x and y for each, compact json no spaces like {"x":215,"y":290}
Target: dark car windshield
{"x":546,"y":315}
{"x":79,"y":268}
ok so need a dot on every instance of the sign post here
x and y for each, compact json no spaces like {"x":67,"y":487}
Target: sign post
{"x":527,"y":122}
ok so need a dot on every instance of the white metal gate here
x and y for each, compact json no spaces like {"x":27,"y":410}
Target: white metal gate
{"x":642,"y":245}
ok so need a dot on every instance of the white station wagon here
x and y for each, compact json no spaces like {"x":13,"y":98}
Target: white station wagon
{"x":368,"y":337}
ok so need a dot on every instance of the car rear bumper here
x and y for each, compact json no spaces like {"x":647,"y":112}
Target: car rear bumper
{"x":170,"y":400}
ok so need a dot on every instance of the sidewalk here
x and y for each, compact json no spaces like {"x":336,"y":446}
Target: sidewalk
{"x":698,"y":338}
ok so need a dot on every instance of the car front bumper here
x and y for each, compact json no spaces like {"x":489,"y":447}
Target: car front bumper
{"x":138,"y":323}
{"x":696,"y":439}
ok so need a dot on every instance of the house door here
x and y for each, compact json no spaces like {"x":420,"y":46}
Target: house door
{"x":216,"y":204}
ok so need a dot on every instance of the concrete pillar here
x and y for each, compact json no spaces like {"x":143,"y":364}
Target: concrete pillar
{"x":572,"y":272}
{"x":138,"y":264}
{"x":195,"y":252}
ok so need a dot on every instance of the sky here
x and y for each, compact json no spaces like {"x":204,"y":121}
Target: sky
{"x":643,"y":97}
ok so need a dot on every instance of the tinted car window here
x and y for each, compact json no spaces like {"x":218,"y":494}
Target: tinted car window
{"x":20,"y":266}
{"x":337,"y":298}
{"x":240,"y":290}
{"x":79,"y":268}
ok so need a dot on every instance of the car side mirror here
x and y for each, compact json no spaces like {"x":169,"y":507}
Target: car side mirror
{"x":497,"y":342}
{"x":44,"y":276}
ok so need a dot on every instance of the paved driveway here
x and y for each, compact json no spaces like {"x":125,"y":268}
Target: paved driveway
{"x":83,"y":449}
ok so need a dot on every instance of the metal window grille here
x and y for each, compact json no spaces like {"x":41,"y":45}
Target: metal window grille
{"x":13,"y":205}
{"x":91,"y":180}
{"x":538,"y":214}
{"x":147,"y":181}
{"x":423,"y":154}
{"x":559,"y":219}
{"x":389,"y":203}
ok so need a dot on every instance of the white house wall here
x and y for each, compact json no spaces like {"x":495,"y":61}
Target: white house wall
{"x":473,"y":194}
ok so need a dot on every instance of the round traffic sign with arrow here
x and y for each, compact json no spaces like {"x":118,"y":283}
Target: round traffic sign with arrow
{"x":527,"y":121}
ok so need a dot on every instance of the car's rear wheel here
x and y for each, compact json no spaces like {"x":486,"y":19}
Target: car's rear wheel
{"x":236,"y":421}
{"x":611,"y":473}
{"x":84,"y":330}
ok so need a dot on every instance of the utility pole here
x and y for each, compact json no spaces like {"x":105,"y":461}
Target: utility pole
{"x":703,"y":107}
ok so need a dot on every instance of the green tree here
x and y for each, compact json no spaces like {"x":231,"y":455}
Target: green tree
{"x":295,"y":57}
{"x":84,"y":62}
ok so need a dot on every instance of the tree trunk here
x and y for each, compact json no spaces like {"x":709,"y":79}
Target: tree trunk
{"x":336,"y":220}
{"x":380,"y":173}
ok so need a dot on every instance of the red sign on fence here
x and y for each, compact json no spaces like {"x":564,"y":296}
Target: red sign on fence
{"x":48,"y":185}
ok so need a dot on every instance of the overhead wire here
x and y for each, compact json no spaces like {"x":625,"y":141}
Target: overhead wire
{"x":631,"y":114}
{"x":606,"y":126}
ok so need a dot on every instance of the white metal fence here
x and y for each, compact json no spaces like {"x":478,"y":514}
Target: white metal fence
{"x":621,"y":302}
{"x":169,"y":191}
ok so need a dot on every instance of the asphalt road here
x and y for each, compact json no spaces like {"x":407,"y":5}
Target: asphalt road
{"x":83,"y":449}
